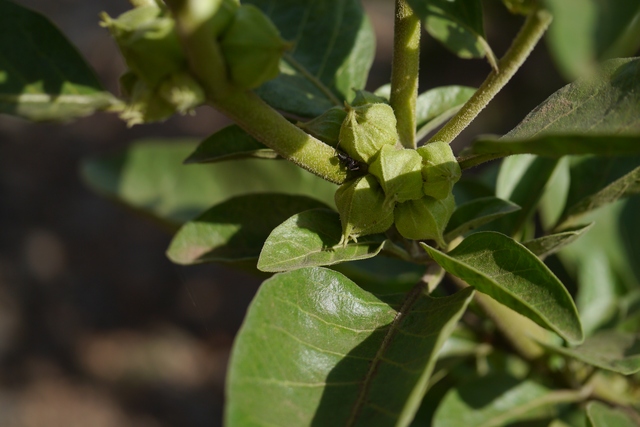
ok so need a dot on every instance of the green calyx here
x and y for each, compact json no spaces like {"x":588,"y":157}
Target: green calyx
{"x":399,"y":172}
{"x":362,"y":208}
{"x":252,"y":48}
{"x":440,"y":169}
{"x":424,"y":219}
{"x":366,"y":129}
{"x":363,"y":97}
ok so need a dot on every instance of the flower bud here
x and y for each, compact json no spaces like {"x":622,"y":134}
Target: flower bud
{"x":362,"y":208}
{"x":252,"y":48}
{"x":223,"y":17}
{"x":326,"y":127}
{"x":424,"y":219}
{"x":440,"y":169}
{"x":399,"y":173}
{"x":148,"y":42}
{"x":366,"y":129}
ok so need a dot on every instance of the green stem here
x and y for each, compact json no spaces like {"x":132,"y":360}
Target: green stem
{"x":269,"y":127}
{"x":404,"y":73}
{"x":531,"y":32}
{"x":249,"y":111}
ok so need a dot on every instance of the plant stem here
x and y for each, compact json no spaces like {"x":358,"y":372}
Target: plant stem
{"x":249,"y":111}
{"x":531,"y":32}
{"x":404,"y":72}
{"x":268,"y":126}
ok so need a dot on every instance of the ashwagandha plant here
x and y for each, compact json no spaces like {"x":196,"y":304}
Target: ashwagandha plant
{"x":406,"y":291}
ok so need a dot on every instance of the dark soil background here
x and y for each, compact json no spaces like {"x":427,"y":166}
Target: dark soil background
{"x":97,"y":327}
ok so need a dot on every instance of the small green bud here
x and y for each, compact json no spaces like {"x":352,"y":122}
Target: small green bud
{"x":252,"y":48}
{"x":399,"y":173}
{"x":363,"y":97}
{"x":362,"y":208}
{"x":326,"y":127}
{"x":223,"y":16}
{"x":148,"y":42}
{"x":366,"y":129}
{"x":424,"y":219}
{"x":440,"y":169}
{"x":182,"y":92}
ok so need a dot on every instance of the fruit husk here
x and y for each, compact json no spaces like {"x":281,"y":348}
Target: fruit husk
{"x":361,"y":204}
{"x":440,"y":169}
{"x":425,"y":218}
{"x":366,"y":129}
{"x":399,"y":172}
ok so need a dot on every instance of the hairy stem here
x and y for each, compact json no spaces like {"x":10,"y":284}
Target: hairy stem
{"x":269,"y":127}
{"x":404,"y":73}
{"x":531,"y":32}
{"x":249,"y":111}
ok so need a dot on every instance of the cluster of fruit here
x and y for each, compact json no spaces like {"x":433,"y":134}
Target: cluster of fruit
{"x":158,"y":84}
{"x":411,"y":188}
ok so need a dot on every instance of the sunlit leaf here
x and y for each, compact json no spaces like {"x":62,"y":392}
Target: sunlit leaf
{"x":236,"y":229}
{"x":316,"y":349}
{"x":506,"y":271}
{"x":311,"y":239}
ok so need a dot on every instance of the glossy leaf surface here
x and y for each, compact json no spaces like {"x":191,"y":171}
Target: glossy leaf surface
{"x":497,"y":400}
{"x":228,"y":144}
{"x":317,"y":350}
{"x":475,"y":213}
{"x":42,"y":76}
{"x":236,"y":229}
{"x":611,"y":350}
{"x":333,"y":49}
{"x":150,"y":177}
{"x":311,"y":239}
{"x":506,"y":271}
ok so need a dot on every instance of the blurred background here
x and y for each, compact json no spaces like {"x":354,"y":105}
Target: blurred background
{"x":97,"y":327}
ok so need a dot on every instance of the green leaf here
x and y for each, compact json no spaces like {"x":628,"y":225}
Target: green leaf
{"x":316,"y":349}
{"x":606,"y":104}
{"x":522,"y":180}
{"x":42,"y":76}
{"x":227,"y":144}
{"x":333,"y":49}
{"x":506,"y":271}
{"x":475,"y":213}
{"x":557,"y":145}
{"x":435,"y":102}
{"x":625,"y":186}
{"x":600,"y":415}
{"x":149,"y":177}
{"x":597,"y":298}
{"x":382,"y":274}
{"x":311,"y":239}
{"x":548,"y":245}
{"x":498,"y":400}
{"x":611,"y":350}
{"x":236,"y":229}
{"x":457,"y":24}
{"x":586,"y":31}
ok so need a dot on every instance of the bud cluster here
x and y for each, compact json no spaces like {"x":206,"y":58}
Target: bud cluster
{"x":158,"y":83}
{"x":409,"y":188}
